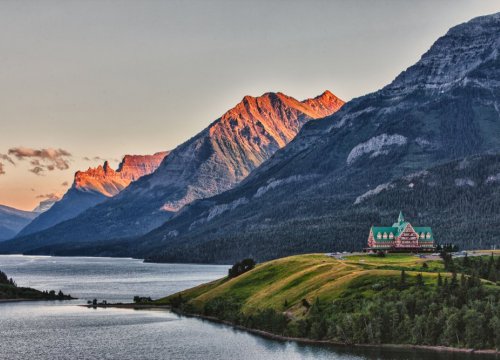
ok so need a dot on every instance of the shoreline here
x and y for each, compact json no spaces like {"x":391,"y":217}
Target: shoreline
{"x":128,"y":306}
{"x":4,"y":301}
{"x":272,"y":336}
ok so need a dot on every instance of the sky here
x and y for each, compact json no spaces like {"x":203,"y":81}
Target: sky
{"x":86,"y":81}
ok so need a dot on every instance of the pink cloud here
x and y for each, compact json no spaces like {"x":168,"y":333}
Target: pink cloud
{"x":42,"y":159}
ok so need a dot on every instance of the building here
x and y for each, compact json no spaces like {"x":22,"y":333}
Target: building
{"x":401,"y":236}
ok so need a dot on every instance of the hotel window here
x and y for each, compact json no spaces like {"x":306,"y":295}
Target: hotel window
{"x":428,"y":235}
{"x":385,"y":235}
{"x":379,"y":236}
{"x":391,"y":236}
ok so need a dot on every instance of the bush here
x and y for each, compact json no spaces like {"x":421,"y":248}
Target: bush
{"x":241,"y":268}
{"x":142,"y":299}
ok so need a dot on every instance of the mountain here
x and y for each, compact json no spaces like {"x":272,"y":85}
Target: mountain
{"x":46,"y":204}
{"x":12,"y":220}
{"x":211,"y":162}
{"x":308,"y":196}
{"x":94,"y":186}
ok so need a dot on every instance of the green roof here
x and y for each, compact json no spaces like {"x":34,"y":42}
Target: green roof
{"x":424,"y":229}
{"x":397,"y":228}
{"x":384,"y":229}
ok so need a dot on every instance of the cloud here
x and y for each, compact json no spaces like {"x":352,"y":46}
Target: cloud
{"x":95,"y":158}
{"x":37,"y":170}
{"x":51,"y":196}
{"x":42,"y":159}
{"x":7,"y":158}
{"x":2,"y":164}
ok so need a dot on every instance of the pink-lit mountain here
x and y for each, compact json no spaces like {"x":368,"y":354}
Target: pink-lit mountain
{"x":108,"y":182}
{"x":93,"y":186}
{"x":213,"y":161}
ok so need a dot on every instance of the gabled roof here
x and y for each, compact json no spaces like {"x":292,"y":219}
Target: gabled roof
{"x":424,"y":229}
{"x":397,"y":228}
{"x":382,"y":230}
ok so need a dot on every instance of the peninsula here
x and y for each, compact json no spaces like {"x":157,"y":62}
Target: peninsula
{"x":9,"y":291}
{"x":400,"y":299}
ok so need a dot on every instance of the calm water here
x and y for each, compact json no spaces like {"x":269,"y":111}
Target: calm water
{"x":62,"y":330}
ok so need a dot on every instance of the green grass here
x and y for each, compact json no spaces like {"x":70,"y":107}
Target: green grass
{"x":292,"y":279}
{"x":399,"y":262}
{"x":388,"y":259}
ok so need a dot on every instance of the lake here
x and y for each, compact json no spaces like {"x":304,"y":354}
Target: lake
{"x":63,"y":330}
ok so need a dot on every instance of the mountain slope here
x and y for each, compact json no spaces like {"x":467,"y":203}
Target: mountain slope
{"x":211,"y":162}
{"x":94,"y":186}
{"x":46,"y":204}
{"x":461,"y":205}
{"x":12,"y":220}
{"x":445,"y":107}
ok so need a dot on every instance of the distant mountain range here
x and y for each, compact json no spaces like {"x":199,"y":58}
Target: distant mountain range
{"x":94,"y":186}
{"x":213,"y":161}
{"x":12,"y":220}
{"x":340,"y":175}
{"x":427,"y":144}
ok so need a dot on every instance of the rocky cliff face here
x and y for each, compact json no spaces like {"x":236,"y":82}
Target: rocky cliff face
{"x":108,"y":182}
{"x":213,"y":161}
{"x":231,"y":147}
{"x":310,"y":195}
{"x":453,"y":58}
{"x":93,"y":186}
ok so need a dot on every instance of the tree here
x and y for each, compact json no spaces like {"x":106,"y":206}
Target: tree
{"x":241,"y":267}
{"x":402,"y":280}
{"x":453,"y":328}
{"x":474,"y":329}
{"x":420,"y":280}
{"x":439,"y":280}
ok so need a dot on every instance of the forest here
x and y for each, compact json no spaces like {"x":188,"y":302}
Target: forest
{"x":460,"y":200}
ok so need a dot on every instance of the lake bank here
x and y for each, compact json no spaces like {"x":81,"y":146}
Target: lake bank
{"x":122,"y":334}
{"x":368,"y":300}
{"x":305,"y":341}
{"x":10,"y":291}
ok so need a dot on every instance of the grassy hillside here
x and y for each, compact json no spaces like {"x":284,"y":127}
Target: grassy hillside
{"x":400,"y":298}
{"x":308,"y":277}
